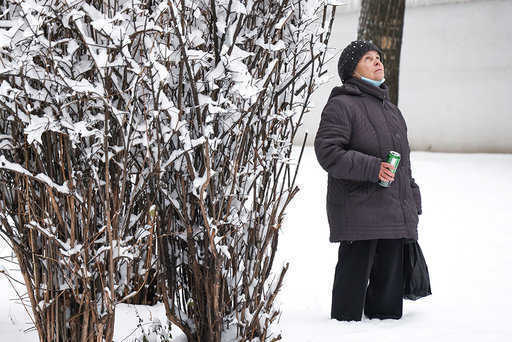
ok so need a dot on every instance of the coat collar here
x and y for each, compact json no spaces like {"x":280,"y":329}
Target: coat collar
{"x":381,"y":92}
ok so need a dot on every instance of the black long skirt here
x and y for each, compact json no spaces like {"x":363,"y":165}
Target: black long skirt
{"x":369,"y":276}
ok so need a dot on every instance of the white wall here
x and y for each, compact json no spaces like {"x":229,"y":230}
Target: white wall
{"x":455,"y":77}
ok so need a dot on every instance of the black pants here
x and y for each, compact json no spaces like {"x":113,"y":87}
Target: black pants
{"x":380,"y":262}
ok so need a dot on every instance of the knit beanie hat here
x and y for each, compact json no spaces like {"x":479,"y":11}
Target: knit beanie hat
{"x":351,"y":56}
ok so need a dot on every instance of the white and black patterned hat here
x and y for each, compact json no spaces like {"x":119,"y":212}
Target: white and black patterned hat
{"x":351,"y":56}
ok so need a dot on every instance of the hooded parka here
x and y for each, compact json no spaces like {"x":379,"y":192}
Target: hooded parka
{"x":358,"y":127}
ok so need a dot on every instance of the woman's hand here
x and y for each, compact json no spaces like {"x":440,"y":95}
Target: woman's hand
{"x":386,"y":173}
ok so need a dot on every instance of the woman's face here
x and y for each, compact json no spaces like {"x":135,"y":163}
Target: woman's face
{"x":370,"y":66}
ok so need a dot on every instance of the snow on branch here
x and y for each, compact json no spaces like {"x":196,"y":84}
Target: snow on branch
{"x":162,"y":132}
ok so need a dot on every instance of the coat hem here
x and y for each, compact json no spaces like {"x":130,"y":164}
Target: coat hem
{"x":373,"y":234}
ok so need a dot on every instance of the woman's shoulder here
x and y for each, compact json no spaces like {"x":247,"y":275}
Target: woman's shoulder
{"x":343,"y":108}
{"x":345,"y":91}
{"x":349,"y":101}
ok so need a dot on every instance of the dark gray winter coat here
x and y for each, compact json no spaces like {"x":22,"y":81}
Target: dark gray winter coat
{"x":359,"y":126}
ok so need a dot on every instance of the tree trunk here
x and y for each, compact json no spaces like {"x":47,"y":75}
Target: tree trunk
{"x":383,"y":22}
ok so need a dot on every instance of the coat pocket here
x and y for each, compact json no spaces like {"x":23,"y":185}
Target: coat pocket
{"x":378,"y":207}
{"x":354,"y":187}
{"x":340,"y":191}
{"x":335,"y":190}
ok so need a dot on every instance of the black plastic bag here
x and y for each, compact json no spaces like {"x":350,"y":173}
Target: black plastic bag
{"x":416,"y":278}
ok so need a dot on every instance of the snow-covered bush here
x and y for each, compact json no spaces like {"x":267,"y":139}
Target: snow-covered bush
{"x":81,"y":110}
{"x":151,"y":140}
{"x":241,"y":76}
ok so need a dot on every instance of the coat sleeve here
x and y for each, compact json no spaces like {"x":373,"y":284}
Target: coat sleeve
{"x":415,"y":190}
{"x":332,"y":151}
{"x":416,"y":194}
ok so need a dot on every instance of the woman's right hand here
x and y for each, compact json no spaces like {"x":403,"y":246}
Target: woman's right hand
{"x":385,"y":173}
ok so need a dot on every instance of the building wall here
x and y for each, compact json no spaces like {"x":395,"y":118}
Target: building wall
{"x":455,"y":75}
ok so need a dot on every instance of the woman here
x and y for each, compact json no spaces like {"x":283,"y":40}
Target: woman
{"x":358,"y":127}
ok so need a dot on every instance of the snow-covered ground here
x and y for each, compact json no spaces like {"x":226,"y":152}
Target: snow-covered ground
{"x":466,"y":237}
{"x":465,"y":233}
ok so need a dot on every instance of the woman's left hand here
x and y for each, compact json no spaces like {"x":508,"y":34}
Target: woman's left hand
{"x":386,"y":172}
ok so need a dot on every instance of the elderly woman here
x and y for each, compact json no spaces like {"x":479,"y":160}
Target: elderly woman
{"x":358,"y":128}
